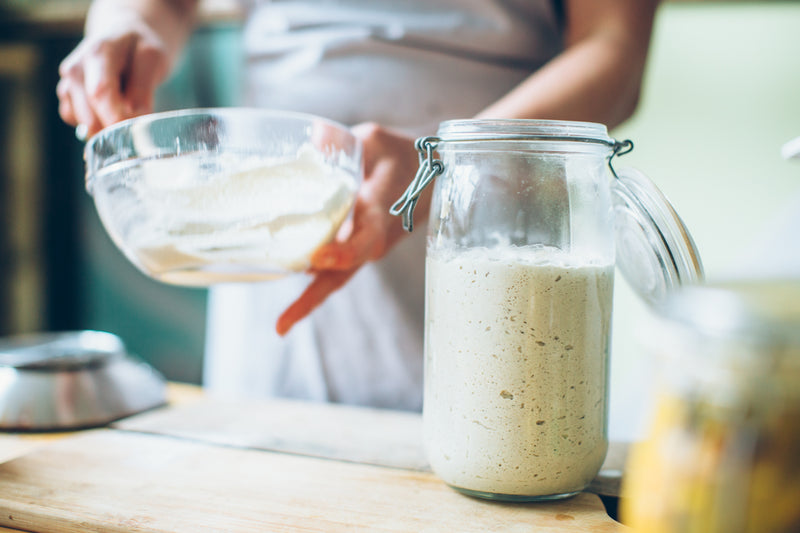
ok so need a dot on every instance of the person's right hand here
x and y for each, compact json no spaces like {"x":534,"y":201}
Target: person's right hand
{"x":390,"y":163}
{"x":112,"y":75}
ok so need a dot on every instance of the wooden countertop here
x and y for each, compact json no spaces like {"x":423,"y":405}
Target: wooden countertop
{"x":202,"y":464}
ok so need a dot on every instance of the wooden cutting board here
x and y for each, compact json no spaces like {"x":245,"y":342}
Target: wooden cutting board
{"x":111,"y":480}
{"x":334,"y":431}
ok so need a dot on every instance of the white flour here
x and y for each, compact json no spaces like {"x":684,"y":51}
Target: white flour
{"x":188,"y":224}
{"x":516,"y":369}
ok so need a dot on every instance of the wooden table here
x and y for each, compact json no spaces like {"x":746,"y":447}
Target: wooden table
{"x":202,"y":464}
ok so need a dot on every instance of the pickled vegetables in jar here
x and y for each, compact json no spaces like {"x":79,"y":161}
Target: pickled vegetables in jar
{"x":723,"y":450}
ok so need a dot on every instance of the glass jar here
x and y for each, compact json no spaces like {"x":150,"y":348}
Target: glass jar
{"x":519,"y":284}
{"x":723,"y":451}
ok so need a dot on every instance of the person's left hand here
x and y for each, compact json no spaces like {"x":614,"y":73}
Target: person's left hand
{"x":390,"y":163}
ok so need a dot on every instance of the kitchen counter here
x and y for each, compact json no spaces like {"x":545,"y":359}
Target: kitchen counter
{"x":203,"y":464}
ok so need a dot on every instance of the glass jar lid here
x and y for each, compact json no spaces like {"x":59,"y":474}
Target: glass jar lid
{"x":655,"y":251}
{"x":455,"y":131}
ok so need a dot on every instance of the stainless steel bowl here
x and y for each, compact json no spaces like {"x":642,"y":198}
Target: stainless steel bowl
{"x":71,"y":380}
{"x":201,"y":196}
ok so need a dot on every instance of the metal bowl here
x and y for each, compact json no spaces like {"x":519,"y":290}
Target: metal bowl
{"x":72,"y":380}
{"x":201,"y":196}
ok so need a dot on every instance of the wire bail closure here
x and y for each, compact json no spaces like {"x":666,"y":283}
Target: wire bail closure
{"x":619,"y":148}
{"x":429,"y":168}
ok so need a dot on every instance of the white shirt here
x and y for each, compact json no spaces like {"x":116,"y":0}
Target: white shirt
{"x":407,"y":65}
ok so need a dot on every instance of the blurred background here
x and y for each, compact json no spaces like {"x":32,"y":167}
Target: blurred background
{"x":721,"y":96}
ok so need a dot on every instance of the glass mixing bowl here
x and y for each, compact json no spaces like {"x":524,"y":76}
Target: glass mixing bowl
{"x":203,"y":196}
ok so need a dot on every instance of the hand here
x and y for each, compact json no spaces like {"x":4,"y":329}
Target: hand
{"x":390,"y":163}
{"x":112,"y":76}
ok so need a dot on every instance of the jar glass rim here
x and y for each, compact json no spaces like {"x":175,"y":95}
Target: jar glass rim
{"x":728,"y":340}
{"x":464,"y":130}
{"x":768,"y":310}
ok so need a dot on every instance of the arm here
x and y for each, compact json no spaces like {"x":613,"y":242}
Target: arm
{"x":597,"y":78}
{"x":128,"y":49}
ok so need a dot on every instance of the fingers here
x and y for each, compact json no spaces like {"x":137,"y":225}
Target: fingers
{"x":108,"y":79}
{"x":363,"y":244}
{"x":103,"y":73}
{"x":334,"y":264}
{"x":74,"y":106}
{"x":344,"y":255}
{"x":323,"y":285}
{"x":370,"y":134}
{"x":65,"y":108}
{"x":388,"y":158}
{"x":148,"y":68}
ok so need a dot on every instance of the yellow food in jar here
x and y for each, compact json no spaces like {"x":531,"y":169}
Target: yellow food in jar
{"x":715,"y":468}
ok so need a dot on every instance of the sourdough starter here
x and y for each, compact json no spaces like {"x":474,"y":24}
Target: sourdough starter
{"x":516,"y":356}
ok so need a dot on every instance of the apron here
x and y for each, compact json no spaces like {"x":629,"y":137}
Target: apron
{"x":407,"y":65}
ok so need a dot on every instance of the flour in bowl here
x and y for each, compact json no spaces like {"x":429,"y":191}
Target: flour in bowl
{"x":195,"y":220}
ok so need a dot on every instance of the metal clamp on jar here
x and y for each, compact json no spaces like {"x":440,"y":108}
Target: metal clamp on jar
{"x":527,"y":225}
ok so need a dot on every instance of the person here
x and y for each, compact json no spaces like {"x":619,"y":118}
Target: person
{"x":392,"y":70}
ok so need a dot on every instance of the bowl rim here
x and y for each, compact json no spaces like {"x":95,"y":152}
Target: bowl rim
{"x":92,"y":168}
{"x":222,"y":110}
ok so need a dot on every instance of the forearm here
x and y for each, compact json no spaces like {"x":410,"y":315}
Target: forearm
{"x":172,"y":20}
{"x":597,"y":78}
{"x":591,"y":82}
